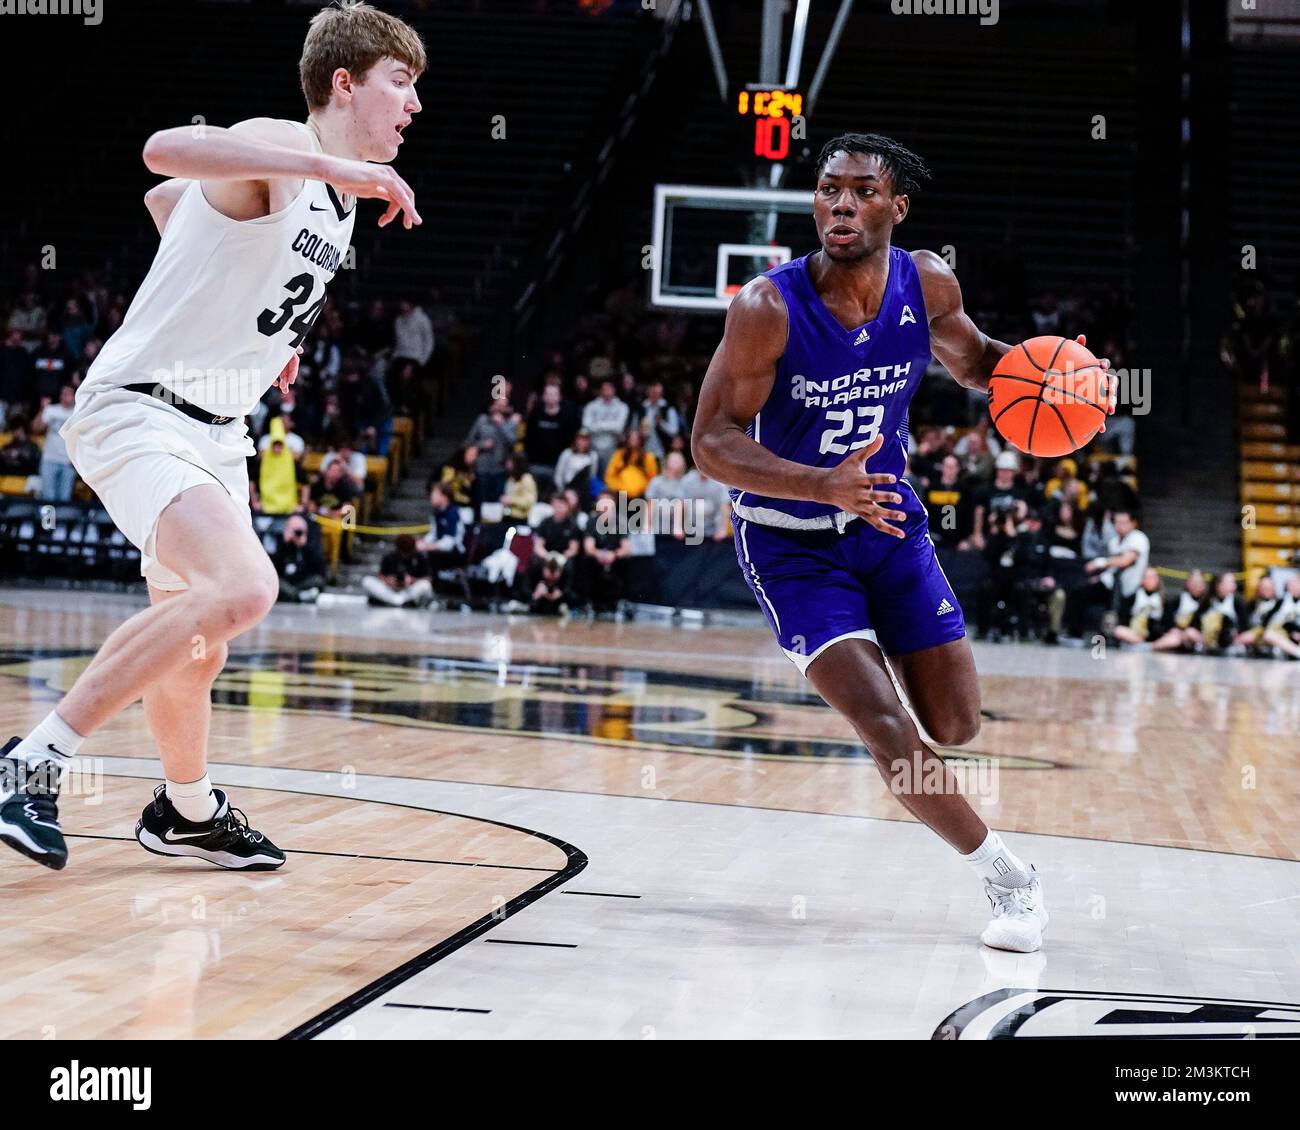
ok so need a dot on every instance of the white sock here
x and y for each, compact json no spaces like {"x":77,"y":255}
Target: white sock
{"x":52,"y":740}
{"x":994,"y":860}
{"x":193,"y":799}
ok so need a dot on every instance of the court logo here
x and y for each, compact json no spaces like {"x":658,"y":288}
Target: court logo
{"x":1050,"y":1014}
{"x":102,"y":1084}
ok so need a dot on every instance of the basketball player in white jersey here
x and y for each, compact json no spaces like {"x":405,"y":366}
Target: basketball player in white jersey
{"x":255,"y":221}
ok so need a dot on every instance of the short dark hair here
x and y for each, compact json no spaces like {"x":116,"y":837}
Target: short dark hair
{"x":906,"y":170}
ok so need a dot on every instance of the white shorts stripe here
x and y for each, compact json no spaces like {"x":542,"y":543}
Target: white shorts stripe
{"x":758,"y":585}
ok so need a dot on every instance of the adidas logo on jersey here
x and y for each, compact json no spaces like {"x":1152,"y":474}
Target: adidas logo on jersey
{"x":863,"y":336}
{"x":945,"y":608}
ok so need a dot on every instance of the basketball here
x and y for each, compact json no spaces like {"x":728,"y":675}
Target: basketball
{"x":1046,"y":396}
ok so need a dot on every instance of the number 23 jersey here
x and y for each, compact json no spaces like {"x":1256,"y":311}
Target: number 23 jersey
{"x":226,"y":302}
{"x":836,"y":389}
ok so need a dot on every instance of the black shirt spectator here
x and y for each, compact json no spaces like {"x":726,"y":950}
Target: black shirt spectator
{"x":950,"y":502}
{"x":551,"y":427}
{"x":401,"y":566}
{"x":20,"y":456}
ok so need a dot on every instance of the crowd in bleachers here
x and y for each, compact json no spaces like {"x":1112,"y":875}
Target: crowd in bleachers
{"x":323,"y":448}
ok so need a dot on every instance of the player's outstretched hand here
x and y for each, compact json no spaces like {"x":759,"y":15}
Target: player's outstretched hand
{"x":289,"y":373}
{"x":374,"y":182}
{"x":851,"y":487}
{"x":1108,"y":386}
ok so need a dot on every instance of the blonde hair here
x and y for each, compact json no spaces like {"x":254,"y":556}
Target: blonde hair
{"x":353,"y":35}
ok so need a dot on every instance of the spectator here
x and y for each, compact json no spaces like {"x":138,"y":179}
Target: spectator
{"x":403,"y":577}
{"x":17,"y":376}
{"x":559,"y":533}
{"x":459,"y":475}
{"x":20,"y":456}
{"x":365,"y":403}
{"x":1098,"y":531}
{"x":28,"y":319}
{"x":551,"y":426}
{"x":976,"y":459}
{"x":406,"y":391}
{"x":333,"y":494}
{"x":631,"y":467}
{"x":659,"y":420}
{"x":605,"y":552}
{"x":605,"y":419}
{"x":979,"y":440}
{"x":1282,"y":627}
{"x":1067,"y":486}
{"x":352,"y":462}
{"x":76,"y":329}
{"x":329,"y":428}
{"x":926,"y":462}
{"x":520,"y":493}
{"x":288,"y":436}
{"x":444,"y":544}
{"x":706,"y":506}
{"x":1261,"y":635}
{"x":53,"y":367}
{"x":1224,"y":616}
{"x":994,"y":501}
{"x":412,"y":335}
{"x":576,"y":466}
{"x":1182,"y":624}
{"x":1114,"y":577}
{"x":493,"y":433}
{"x":57,"y":475}
{"x":1143,"y":613}
{"x":299,"y":565}
{"x":1063,"y":567}
{"x":547,"y":585}
{"x":666,"y":491}
{"x":949,"y":501}
{"x":277,"y":487}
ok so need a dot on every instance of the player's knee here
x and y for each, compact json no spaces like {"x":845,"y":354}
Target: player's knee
{"x":205,"y":663}
{"x":887,"y":734}
{"x":956,"y":727}
{"x":245,"y":600}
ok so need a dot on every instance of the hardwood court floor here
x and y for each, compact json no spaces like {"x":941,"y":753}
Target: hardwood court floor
{"x":512,"y":827}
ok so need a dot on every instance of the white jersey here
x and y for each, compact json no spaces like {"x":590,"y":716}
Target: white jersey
{"x":226,"y":302}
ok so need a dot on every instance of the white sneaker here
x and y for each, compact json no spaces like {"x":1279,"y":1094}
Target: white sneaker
{"x":1019,"y":916}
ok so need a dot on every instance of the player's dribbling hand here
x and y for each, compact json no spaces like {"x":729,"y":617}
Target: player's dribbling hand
{"x":289,"y":373}
{"x":1108,"y":386}
{"x":850,"y":486}
{"x":374,"y":182}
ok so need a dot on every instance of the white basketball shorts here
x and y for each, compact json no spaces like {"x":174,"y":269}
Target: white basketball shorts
{"x":139,"y":455}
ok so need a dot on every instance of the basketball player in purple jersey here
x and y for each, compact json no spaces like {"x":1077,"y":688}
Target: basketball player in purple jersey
{"x":818,"y":363}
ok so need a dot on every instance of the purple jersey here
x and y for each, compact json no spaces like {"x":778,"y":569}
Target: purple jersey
{"x":837,"y":389}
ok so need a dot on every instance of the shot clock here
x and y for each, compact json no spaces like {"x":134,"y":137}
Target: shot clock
{"x":766,"y":116}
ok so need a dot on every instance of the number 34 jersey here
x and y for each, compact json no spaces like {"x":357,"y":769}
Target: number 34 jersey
{"x":226,"y":302}
{"x":837,"y":389}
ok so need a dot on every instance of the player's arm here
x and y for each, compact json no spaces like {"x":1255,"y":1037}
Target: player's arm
{"x":237,"y":165}
{"x":960,"y":346}
{"x":967,"y":353}
{"x":737,"y":384}
{"x":162,"y":199}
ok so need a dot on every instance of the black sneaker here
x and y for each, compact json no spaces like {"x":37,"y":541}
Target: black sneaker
{"x":29,"y":809}
{"x":225,"y":840}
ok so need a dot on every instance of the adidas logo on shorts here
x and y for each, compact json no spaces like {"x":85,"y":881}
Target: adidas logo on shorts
{"x":944,"y":608}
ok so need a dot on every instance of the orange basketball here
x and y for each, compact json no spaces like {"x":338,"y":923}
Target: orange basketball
{"x":1047,"y":396}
